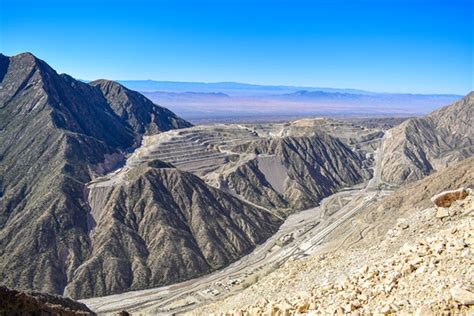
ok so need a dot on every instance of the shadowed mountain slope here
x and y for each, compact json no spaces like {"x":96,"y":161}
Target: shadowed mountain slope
{"x":33,"y":303}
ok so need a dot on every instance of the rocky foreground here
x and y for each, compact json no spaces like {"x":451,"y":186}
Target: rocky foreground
{"x":14,"y":302}
{"x":423,"y":266}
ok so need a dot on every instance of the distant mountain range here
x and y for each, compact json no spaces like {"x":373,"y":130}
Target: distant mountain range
{"x":197,"y":100}
{"x":231,"y":88}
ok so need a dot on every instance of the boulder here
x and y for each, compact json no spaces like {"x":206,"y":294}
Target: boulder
{"x":462,"y":296}
{"x":13,"y":302}
{"x":442,"y":213}
{"x":446,"y":198}
{"x":423,"y":311}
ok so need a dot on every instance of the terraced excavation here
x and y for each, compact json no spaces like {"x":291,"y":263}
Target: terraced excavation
{"x":199,"y":150}
{"x":211,"y":151}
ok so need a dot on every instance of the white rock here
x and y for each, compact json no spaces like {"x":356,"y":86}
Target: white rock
{"x":442,"y":213}
{"x":423,"y":311}
{"x":462,"y":296}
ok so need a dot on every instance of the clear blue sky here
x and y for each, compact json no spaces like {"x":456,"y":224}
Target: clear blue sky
{"x":384,"y":45}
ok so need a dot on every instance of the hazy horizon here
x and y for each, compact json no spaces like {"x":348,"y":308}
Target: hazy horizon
{"x":296,"y":87}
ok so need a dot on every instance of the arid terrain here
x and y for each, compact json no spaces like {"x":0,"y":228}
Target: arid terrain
{"x":212,"y":152}
{"x":236,"y":158}
{"x":112,"y":200}
{"x":418,"y":262}
{"x":307,"y":234}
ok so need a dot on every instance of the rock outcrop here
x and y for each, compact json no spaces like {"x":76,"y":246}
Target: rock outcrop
{"x":14,"y":302}
{"x":420,"y":146}
{"x":445,"y":199}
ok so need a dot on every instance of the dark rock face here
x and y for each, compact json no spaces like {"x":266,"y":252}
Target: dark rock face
{"x":54,"y":132}
{"x":164,"y":225}
{"x":420,"y":146}
{"x":32,"y":303}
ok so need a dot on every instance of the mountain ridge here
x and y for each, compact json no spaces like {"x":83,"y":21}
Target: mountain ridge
{"x":311,"y":169}
{"x":57,"y":133}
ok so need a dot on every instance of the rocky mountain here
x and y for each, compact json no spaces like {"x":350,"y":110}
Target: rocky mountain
{"x":420,"y":146}
{"x":58,"y":235}
{"x":57,"y":133}
{"x":77,"y":218}
{"x":162,"y":225}
{"x":294,"y":172}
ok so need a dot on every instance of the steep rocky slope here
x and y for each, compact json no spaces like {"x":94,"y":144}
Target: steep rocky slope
{"x":142,"y":115}
{"x":403,"y":255}
{"x":163,"y":225}
{"x":56,"y":134}
{"x":420,"y":146}
{"x":33,"y":303}
{"x":294,"y":172}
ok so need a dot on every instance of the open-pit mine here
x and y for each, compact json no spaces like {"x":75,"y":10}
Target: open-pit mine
{"x":218,"y":154}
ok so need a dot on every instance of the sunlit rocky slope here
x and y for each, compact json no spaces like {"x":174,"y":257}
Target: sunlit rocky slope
{"x":420,"y":146}
{"x":403,"y":255}
{"x":412,"y":252}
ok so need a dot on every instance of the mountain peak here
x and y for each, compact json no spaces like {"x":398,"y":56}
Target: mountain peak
{"x":27,"y":59}
{"x":422,"y":145}
{"x":106,"y":82}
{"x":28,"y":55}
